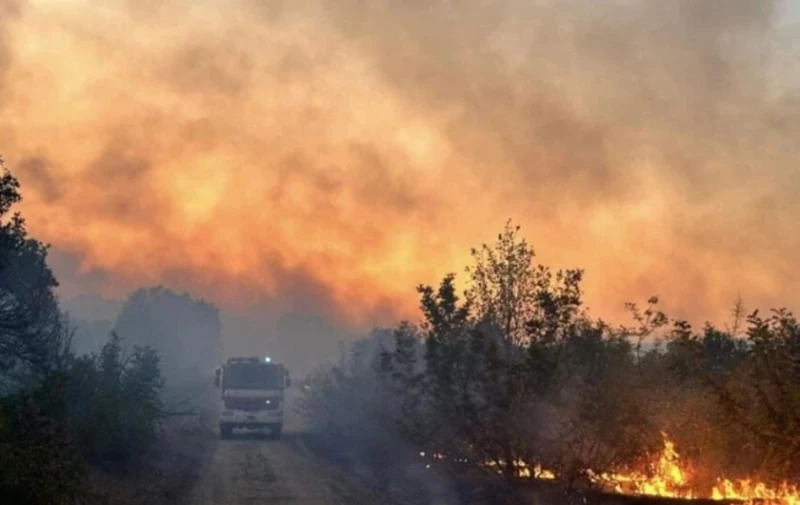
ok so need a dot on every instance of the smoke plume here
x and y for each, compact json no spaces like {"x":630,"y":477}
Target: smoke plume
{"x":331,"y":154}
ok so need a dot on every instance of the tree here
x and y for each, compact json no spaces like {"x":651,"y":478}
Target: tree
{"x":761,"y":396}
{"x":59,"y":412}
{"x":184,"y":331}
{"x":494,"y":363}
{"x":115,"y":402}
{"x":513,"y":373}
{"x":31,"y":325}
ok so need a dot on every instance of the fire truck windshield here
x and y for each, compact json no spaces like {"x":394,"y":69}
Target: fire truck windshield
{"x":252,"y":376}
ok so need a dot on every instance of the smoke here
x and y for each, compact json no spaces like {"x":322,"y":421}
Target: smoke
{"x":323,"y":157}
{"x":9,"y":10}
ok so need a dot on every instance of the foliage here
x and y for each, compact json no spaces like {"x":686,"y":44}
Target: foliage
{"x":518,"y":372}
{"x":102,"y":410}
{"x":30,"y":321}
{"x":39,"y":459}
{"x":184,"y":331}
{"x":60,"y":413}
{"x":759,"y":392}
{"x":115,"y":403}
{"x":514,"y":370}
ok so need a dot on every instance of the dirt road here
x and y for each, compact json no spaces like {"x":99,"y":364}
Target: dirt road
{"x":254,"y":470}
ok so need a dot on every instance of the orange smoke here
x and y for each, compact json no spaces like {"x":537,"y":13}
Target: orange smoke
{"x":243,"y":150}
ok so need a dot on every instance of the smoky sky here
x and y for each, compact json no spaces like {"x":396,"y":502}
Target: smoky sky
{"x":327,"y":156}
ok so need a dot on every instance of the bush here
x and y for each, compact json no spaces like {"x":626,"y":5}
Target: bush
{"x":115,"y":402}
{"x":39,"y":458}
{"x":58,"y":412}
{"x":102,"y":410}
{"x":514,"y":374}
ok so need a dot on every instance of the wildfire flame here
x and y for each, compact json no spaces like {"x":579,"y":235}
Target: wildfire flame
{"x":669,"y":477}
{"x":666,"y":478}
{"x":749,"y":491}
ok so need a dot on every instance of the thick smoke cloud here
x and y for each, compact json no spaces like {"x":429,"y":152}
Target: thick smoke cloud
{"x":9,"y":10}
{"x":332,"y":154}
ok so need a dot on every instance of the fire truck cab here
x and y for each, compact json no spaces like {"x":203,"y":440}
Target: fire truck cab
{"x":252,"y":395}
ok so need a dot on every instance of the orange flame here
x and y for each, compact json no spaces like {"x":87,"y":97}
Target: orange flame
{"x":749,"y":491}
{"x":669,"y":477}
{"x":666,"y":477}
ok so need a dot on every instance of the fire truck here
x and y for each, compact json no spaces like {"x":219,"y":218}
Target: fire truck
{"x":252,"y":395}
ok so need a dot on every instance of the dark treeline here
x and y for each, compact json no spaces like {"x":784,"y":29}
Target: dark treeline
{"x":65,"y":418}
{"x":514,"y":369}
{"x":186,"y":334}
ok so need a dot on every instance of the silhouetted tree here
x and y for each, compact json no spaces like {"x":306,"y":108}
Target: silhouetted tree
{"x":184,"y":331}
{"x":514,"y":372}
{"x":31,"y":325}
{"x":59,"y":412}
{"x":759,"y":390}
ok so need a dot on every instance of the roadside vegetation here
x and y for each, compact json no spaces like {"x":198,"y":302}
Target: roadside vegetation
{"x":81,"y":428}
{"x":511,"y":379}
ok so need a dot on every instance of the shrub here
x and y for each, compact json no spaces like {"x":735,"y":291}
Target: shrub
{"x":102,"y":410}
{"x":39,"y":459}
{"x":116,"y":403}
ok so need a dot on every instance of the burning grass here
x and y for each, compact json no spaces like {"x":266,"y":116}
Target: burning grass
{"x":667,"y":476}
{"x":670,"y":477}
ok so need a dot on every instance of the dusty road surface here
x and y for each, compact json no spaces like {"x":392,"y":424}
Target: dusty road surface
{"x":254,"y":470}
